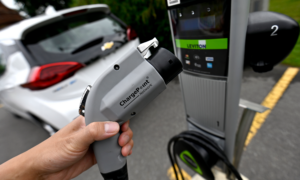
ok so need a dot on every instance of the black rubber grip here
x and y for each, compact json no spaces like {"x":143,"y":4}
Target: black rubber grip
{"x":121,"y":174}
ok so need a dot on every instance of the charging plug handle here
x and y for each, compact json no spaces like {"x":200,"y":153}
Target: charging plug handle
{"x":120,"y":174}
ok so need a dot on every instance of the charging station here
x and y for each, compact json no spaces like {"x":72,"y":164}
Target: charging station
{"x":209,"y":38}
{"x":213,"y":39}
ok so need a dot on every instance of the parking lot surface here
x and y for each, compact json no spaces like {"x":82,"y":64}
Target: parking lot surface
{"x":272,"y":153}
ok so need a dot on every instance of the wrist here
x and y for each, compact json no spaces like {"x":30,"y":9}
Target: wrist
{"x":20,"y":167}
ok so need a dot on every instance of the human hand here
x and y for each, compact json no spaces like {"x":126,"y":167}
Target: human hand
{"x":67,"y":153}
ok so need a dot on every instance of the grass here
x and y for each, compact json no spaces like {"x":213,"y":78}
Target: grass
{"x":290,"y":8}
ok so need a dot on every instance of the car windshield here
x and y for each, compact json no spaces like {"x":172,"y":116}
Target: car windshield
{"x":79,"y":33}
{"x":72,"y":34}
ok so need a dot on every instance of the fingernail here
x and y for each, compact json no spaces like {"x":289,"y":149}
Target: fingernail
{"x":126,"y":139}
{"x":111,"y":127}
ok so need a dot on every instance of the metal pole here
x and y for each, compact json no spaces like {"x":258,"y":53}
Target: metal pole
{"x":250,"y":109}
{"x":242,"y":133}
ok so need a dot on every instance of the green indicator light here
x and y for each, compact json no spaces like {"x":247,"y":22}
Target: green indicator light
{"x":202,"y":44}
{"x":194,"y":165}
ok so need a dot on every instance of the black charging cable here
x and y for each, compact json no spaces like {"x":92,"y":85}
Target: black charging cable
{"x":203,"y":141}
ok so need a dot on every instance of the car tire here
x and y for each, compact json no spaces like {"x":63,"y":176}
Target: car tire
{"x":17,"y":116}
{"x":47,"y":127}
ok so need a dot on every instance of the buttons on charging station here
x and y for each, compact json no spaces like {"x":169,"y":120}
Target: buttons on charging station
{"x":209,"y":58}
{"x":187,"y":56}
{"x":209,"y":65}
{"x":196,"y":57}
{"x":204,"y":62}
{"x":197,"y":65}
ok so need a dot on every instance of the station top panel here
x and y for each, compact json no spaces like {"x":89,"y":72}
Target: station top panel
{"x":201,"y":35}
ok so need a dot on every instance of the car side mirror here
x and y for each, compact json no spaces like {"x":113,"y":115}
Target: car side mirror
{"x":270,"y":38}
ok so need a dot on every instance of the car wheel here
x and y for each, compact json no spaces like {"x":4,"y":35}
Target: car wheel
{"x":16,"y":116}
{"x":47,"y":127}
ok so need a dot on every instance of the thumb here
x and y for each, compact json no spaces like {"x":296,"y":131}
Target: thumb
{"x":96,"y":131}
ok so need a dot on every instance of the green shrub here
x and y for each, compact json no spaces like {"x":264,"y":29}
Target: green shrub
{"x":149,"y":18}
{"x":290,"y":8}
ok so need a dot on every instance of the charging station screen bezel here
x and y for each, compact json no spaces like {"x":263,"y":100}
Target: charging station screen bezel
{"x":201,"y":34}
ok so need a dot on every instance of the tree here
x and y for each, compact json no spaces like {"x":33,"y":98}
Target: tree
{"x":36,"y":7}
{"x":148,"y":17}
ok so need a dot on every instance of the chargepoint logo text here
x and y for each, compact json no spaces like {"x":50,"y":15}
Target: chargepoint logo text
{"x":138,"y":91}
{"x":201,"y":45}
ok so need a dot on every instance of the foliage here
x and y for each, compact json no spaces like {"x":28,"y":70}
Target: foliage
{"x":148,"y":17}
{"x":2,"y":69}
{"x":290,"y":8}
{"x":36,"y":7}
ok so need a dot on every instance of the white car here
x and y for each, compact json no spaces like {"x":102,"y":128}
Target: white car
{"x":46,"y":62}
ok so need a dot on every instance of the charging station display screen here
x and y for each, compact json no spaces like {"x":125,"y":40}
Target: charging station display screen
{"x":193,"y":24}
{"x":201,"y":33}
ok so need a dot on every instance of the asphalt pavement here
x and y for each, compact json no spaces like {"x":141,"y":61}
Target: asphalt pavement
{"x":272,"y":154}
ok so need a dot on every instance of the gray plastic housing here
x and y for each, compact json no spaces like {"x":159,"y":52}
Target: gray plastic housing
{"x":118,"y":95}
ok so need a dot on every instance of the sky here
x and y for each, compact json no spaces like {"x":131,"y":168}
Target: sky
{"x":13,"y":5}
{"x":10,"y":4}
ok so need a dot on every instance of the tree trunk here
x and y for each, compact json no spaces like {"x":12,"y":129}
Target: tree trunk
{"x":8,"y":16}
